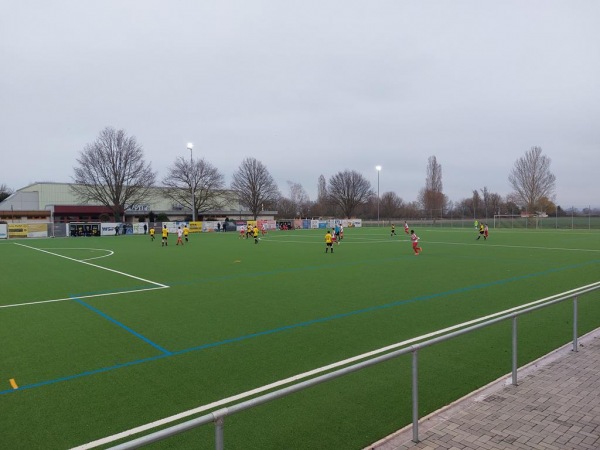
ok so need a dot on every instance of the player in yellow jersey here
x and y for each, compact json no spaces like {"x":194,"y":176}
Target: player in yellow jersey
{"x":481,"y":231}
{"x":165,"y":235}
{"x":152,"y":233}
{"x":328,"y":241}
{"x":186,"y":232}
{"x":255,"y":234}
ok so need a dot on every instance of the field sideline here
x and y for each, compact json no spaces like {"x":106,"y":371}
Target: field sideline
{"x":104,"y":335}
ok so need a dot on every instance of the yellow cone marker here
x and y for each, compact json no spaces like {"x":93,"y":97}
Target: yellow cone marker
{"x":13,"y":383}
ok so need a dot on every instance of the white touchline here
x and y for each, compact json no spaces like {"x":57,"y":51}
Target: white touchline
{"x":133,"y":291}
{"x":525,"y":247}
{"x":267,"y":387}
{"x":94,"y":265}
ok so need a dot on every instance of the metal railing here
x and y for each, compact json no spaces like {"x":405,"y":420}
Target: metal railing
{"x":218,"y":417}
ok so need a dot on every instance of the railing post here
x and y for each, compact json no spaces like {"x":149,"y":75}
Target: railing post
{"x":575,"y":337}
{"x":514,"y":351}
{"x":219,"y":444}
{"x":415,"y":397}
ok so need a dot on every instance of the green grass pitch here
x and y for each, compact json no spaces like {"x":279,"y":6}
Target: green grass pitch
{"x":102,"y":335}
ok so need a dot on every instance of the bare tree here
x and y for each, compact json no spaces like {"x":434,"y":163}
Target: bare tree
{"x":112,"y":172}
{"x":5,"y":192}
{"x":489,"y":201}
{"x":348,"y":190}
{"x":390,"y":205}
{"x":433,"y":181}
{"x":431,"y":196}
{"x":199,"y":178}
{"x":411,"y":210}
{"x":512,"y":206}
{"x":532,"y":180}
{"x":299,"y":199}
{"x":286,"y":209}
{"x":485,"y":196}
{"x":322,"y":188}
{"x":476,"y":202}
{"x":322,"y":207}
{"x":496,"y":203}
{"x":464,"y":207}
{"x":297,"y":205}
{"x":254,"y":186}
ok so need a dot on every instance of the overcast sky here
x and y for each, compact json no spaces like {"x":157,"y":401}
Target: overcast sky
{"x":308,"y":88}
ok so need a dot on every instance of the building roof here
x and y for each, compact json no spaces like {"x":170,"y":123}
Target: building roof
{"x":62,"y":199}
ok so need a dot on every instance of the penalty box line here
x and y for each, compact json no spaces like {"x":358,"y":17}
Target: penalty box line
{"x":95,"y":265}
{"x":157,"y":285}
{"x":106,"y":294}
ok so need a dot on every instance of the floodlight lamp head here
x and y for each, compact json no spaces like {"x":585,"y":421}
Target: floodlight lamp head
{"x":378,"y":168}
{"x":190,"y":146}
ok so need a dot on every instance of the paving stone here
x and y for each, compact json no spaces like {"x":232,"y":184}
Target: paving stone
{"x":556,"y":406}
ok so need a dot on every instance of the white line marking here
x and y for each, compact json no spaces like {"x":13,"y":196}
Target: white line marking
{"x":94,"y":265}
{"x":360,"y":240}
{"x":514,"y":246}
{"x":108,"y":252}
{"x":298,"y":377}
{"x":530,"y":231}
{"x":84,"y":296}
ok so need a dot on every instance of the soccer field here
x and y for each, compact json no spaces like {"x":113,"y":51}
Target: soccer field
{"x":103,"y":335}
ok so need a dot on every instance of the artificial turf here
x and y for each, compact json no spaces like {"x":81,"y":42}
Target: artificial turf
{"x":136,"y":332}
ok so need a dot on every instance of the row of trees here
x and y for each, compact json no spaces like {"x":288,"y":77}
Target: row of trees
{"x":112,"y":171}
{"x":531,"y":179}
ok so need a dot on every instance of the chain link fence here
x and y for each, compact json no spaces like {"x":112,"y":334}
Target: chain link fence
{"x":457,"y":220}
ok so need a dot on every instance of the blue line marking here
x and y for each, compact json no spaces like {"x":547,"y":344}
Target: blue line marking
{"x":125,"y":327}
{"x":84,"y":374}
{"x":379,"y":307}
{"x":167,"y":354}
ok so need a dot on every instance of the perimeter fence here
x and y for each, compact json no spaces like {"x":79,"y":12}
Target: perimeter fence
{"x":498,"y":222}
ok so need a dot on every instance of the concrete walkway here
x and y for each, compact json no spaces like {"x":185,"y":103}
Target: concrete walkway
{"x":556,"y":405}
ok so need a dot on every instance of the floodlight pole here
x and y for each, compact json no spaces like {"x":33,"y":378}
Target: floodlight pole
{"x":190,"y":147}
{"x":378,"y":168}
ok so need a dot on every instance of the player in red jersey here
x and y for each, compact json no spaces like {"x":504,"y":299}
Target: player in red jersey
{"x":415,"y":242}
